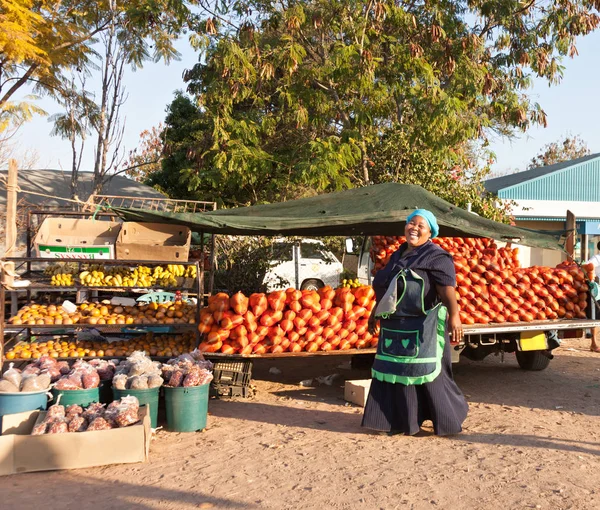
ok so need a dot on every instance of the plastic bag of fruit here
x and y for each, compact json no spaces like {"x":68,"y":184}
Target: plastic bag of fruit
{"x":124,"y":412}
{"x":13,"y":376}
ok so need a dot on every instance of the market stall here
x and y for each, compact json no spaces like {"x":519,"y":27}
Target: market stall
{"x":103,"y":314}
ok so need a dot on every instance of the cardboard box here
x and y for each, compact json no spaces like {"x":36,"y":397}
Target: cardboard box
{"x":357,"y":391}
{"x":67,"y":238}
{"x":21,"y":452}
{"x":153,"y":241}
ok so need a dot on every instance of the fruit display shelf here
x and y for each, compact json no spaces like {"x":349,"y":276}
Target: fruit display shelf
{"x":72,"y":346}
{"x":114,"y":275}
{"x":58,"y":329}
{"x":162,"y":283}
{"x":42,"y":285}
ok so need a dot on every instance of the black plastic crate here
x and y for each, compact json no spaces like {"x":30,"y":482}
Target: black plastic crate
{"x":232,"y":373}
{"x":225,"y":390}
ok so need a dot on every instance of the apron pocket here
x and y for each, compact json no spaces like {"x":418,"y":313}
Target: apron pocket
{"x":399,"y":343}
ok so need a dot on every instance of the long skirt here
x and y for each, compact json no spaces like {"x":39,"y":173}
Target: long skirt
{"x":394,"y":407}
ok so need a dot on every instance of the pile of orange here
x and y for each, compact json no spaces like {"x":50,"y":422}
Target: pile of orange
{"x":106,"y":314}
{"x":151,"y":344}
{"x":492,"y":287}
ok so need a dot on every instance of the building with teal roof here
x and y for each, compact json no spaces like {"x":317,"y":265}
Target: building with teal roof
{"x":542,"y":196}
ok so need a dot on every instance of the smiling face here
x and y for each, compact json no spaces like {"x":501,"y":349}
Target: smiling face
{"x":417,"y":231}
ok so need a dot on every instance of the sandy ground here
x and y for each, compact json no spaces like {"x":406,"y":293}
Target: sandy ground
{"x":531,"y":440}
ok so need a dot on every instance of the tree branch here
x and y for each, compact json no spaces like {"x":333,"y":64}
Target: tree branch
{"x":83,"y":39}
{"x":17,"y":85}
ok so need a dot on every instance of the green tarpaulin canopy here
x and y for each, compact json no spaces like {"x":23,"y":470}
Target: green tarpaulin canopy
{"x":372,"y":210}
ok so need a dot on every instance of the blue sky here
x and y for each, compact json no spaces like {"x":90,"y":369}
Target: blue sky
{"x":573,"y":108}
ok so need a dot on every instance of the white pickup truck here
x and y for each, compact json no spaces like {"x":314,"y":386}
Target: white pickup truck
{"x":304,"y":264}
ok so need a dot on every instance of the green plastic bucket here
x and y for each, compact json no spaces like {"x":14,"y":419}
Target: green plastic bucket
{"x":106,"y":393}
{"x":11,"y":403}
{"x":148,"y":397}
{"x":82,"y":398}
{"x":187,"y":408}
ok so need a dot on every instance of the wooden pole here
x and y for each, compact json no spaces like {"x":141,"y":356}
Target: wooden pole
{"x":571,"y":234}
{"x":11,"y":208}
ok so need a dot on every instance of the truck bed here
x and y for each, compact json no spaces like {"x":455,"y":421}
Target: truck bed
{"x":475,"y":329}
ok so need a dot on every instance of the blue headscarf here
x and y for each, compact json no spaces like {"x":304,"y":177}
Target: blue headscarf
{"x":429,"y":217}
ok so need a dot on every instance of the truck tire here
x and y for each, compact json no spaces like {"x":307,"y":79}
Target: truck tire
{"x":311,"y":284}
{"x":533,"y":360}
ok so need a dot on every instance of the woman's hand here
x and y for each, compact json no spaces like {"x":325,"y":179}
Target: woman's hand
{"x":372,"y":324}
{"x":455,"y":328}
{"x":448,"y":297}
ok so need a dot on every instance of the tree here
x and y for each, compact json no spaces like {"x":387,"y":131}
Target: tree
{"x":109,"y":127}
{"x":146,"y":159}
{"x":328,"y":95}
{"x":572,"y":147}
{"x":76,"y":123}
{"x":42,"y":41}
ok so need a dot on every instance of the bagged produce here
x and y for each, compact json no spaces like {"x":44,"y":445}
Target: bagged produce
{"x":155,"y":381}
{"x":105,"y":369}
{"x":54,"y":373}
{"x":57,"y":427}
{"x":140,"y":364}
{"x":47,"y":363}
{"x":30,"y":370}
{"x":33,"y":383}
{"x":99,"y":423}
{"x":40,"y":429}
{"x":77,"y":423}
{"x":58,"y":420}
{"x":135,"y":372}
{"x":13,"y":376}
{"x":74,"y":409}
{"x":120,"y":381}
{"x":176,"y":379}
{"x":138,"y":382}
{"x":167,"y":371}
{"x":56,"y":411}
{"x":8,"y":387}
{"x":83,"y":375}
{"x":124,"y":412}
{"x":93,"y":411}
{"x":90,"y":379}
{"x":188,"y":370}
{"x":192,"y":379}
{"x":64,"y":367}
{"x":67,"y":384}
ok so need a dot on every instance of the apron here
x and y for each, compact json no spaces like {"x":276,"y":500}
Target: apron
{"x":411,"y":339}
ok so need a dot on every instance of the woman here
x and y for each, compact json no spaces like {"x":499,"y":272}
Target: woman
{"x":412,"y":373}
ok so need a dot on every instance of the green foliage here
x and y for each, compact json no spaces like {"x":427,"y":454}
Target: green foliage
{"x":41,"y":42}
{"x":572,"y":147}
{"x":145,"y":159}
{"x":326,"y":95}
{"x":242,"y":263}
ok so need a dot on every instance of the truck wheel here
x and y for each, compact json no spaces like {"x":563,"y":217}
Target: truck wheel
{"x":533,"y":360}
{"x":311,"y":284}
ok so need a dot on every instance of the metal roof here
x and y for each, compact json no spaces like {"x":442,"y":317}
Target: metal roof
{"x":56,"y":183}
{"x":576,"y":179}
{"x":553,"y":218}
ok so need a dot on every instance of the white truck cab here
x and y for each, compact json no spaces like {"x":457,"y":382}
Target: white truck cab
{"x":306,"y":264}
